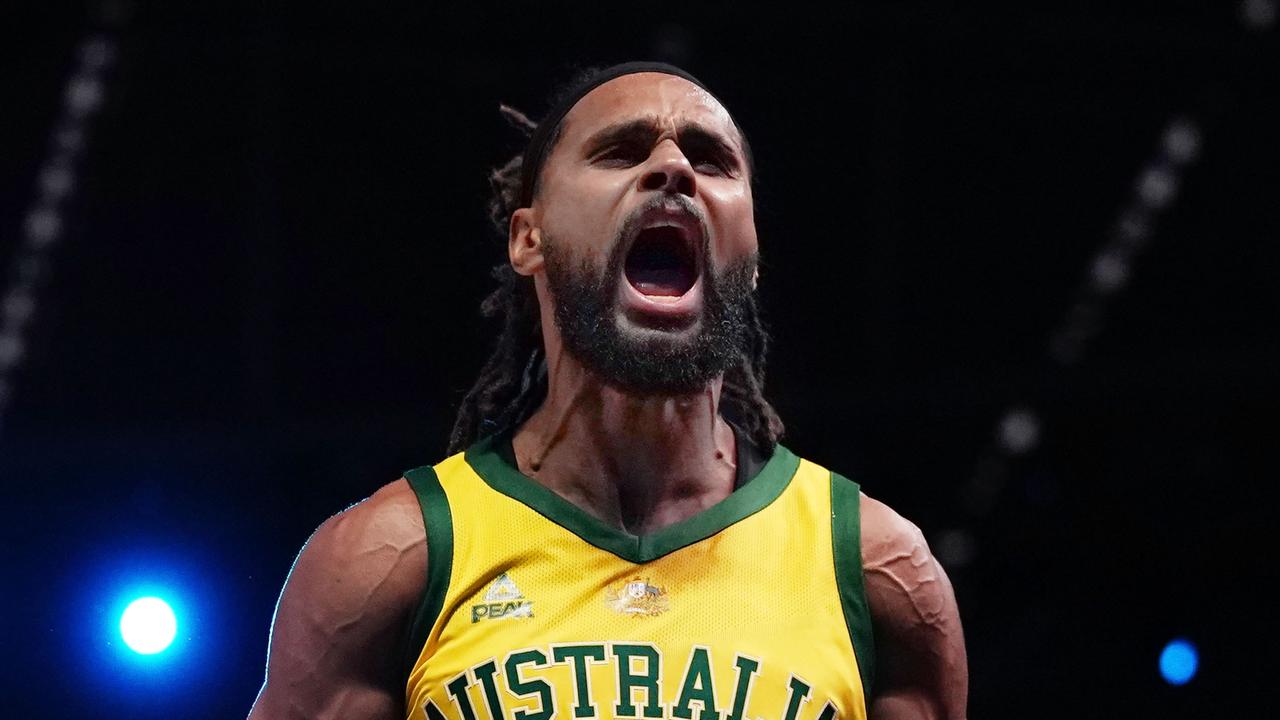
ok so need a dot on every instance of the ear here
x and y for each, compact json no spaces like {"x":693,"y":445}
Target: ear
{"x":524,"y":243}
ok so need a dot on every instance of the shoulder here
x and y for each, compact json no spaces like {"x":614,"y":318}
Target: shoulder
{"x":904,"y":581}
{"x":919,"y":639}
{"x":886,"y":535}
{"x":391,"y":513}
{"x":883,"y":533}
{"x":344,"y":609}
{"x":376,"y":545}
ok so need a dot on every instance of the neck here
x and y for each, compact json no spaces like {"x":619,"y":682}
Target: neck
{"x":636,"y":462}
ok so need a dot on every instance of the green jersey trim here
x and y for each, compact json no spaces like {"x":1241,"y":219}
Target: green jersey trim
{"x":846,"y":538}
{"x":756,"y":494}
{"x":438,"y":521}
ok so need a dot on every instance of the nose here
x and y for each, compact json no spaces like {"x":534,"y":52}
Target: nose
{"x":669,"y":171}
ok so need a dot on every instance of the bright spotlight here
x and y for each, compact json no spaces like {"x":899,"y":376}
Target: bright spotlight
{"x":148,"y":625}
{"x":1179,"y":662}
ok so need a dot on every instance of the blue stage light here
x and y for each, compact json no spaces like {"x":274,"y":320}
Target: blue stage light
{"x":148,"y":625}
{"x":1179,"y":661}
{"x":148,"y":633}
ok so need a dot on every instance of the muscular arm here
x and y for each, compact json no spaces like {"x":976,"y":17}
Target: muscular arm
{"x":922,"y":672}
{"x":335,"y":640}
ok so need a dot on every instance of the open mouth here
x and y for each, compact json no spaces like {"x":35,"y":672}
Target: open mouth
{"x":662,"y":262}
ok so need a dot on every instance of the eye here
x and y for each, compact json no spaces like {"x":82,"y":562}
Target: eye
{"x":622,"y":155}
{"x":710,"y":166}
{"x":712,"y":163}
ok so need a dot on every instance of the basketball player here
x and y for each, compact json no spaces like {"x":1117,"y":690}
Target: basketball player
{"x":618,"y":532}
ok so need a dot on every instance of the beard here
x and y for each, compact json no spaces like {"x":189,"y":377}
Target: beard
{"x":641,"y":360}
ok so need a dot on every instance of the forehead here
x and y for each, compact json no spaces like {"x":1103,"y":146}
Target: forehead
{"x":667,"y":99}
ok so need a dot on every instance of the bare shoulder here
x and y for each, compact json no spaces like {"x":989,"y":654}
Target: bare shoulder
{"x":383,"y":533}
{"x":373,"y":553}
{"x":344,"y":610}
{"x":889,"y":540}
{"x":920,"y":652}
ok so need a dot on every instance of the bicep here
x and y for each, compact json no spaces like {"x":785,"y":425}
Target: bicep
{"x":920,"y":653}
{"x":339,"y":621}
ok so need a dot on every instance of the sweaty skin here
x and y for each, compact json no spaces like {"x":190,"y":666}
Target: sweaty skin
{"x":343,"y":614}
{"x":638,"y":463}
{"x":922,"y":670}
{"x":335,"y":643}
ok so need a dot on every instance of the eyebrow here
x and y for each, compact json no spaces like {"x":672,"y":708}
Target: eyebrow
{"x":645,"y":131}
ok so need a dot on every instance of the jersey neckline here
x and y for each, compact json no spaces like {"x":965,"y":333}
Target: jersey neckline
{"x":753,"y":496}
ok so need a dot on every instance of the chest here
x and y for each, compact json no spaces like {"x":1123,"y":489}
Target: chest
{"x":538,"y":622}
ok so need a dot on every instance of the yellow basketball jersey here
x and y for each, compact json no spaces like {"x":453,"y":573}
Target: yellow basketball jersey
{"x":752,"y":609}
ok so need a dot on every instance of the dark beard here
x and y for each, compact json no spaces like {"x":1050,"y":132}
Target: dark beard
{"x":647,"y":361}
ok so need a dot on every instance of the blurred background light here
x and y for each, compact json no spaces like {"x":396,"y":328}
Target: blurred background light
{"x":1182,"y":141}
{"x":1179,"y":661}
{"x":956,"y":548}
{"x":84,"y":95}
{"x":1258,"y":14}
{"x":1109,"y":272}
{"x":1019,"y":431}
{"x":43,"y":227}
{"x":1158,"y":187}
{"x":148,"y":625}
{"x":56,"y":181}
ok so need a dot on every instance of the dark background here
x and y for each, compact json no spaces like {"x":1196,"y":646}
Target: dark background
{"x":264,"y":305}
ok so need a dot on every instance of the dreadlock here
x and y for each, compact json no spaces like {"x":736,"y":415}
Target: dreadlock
{"x":511,"y":383}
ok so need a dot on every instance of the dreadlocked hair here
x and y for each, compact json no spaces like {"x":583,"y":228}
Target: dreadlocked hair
{"x":512,"y":382}
{"x":501,"y":395}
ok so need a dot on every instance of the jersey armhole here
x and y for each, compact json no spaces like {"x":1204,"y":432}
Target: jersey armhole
{"x":438,"y":521}
{"x":846,"y":537}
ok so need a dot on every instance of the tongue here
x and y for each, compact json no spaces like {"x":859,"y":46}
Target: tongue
{"x":661,"y":281}
{"x":659,"y":265}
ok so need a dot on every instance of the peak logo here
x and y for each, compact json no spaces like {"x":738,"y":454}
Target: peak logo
{"x":503,"y":599}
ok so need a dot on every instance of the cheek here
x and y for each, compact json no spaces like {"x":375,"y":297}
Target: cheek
{"x":733,"y":217}
{"x":580,"y":212}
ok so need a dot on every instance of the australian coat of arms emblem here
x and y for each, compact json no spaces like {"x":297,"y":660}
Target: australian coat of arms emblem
{"x":637,"y":598}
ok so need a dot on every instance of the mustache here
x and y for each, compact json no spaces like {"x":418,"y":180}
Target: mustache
{"x":669,"y":203}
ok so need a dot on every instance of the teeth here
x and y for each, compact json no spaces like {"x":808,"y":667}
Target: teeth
{"x":686,"y":228}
